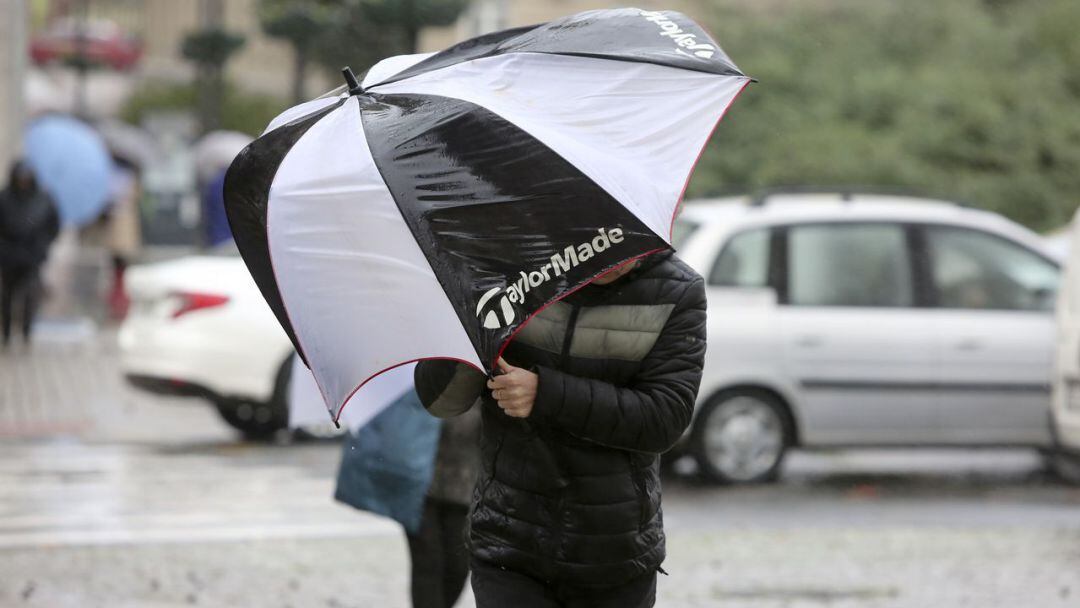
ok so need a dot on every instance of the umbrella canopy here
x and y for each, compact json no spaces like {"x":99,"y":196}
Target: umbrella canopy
{"x":129,"y":142}
{"x":216,"y":150}
{"x":72,"y":164}
{"x":306,"y":407}
{"x":433,"y":209}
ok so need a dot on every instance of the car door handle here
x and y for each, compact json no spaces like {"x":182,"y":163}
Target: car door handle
{"x":969,"y":344}
{"x":809,"y":341}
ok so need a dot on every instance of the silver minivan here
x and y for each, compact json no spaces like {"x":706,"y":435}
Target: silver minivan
{"x":1066,"y":402}
{"x":842,"y":320}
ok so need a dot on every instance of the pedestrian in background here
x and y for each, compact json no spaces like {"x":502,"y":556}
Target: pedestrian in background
{"x":124,"y":236}
{"x":29,"y":222}
{"x":438,"y":550}
{"x":405,"y":465}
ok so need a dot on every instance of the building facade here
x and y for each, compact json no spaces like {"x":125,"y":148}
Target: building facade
{"x":12,"y":74}
{"x":262,"y":65}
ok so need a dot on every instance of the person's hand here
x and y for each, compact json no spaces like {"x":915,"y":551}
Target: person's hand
{"x":514,"y":390}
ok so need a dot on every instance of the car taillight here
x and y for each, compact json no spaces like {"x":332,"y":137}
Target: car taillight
{"x":188,"y":301}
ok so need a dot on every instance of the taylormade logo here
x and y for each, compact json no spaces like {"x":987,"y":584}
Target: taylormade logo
{"x":683,"y":39}
{"x":499,"y":312}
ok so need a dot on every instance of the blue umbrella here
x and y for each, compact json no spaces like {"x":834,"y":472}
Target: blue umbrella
{"x":72,"y":164}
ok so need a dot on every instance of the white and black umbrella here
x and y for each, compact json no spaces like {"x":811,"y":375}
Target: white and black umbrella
{"x":432,"y":209}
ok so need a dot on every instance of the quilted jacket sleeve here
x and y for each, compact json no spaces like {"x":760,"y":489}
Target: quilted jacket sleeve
{"x":447,"y":388}
{"x":649,"y":414}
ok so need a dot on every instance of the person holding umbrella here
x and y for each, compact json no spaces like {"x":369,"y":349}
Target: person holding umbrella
{"x":592,"y":391}
{"x":29,"y":223}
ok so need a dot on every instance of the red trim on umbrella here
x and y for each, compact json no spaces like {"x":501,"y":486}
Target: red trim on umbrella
{"x":686,"y":184}
{"x":395,"y":366}
{"x":506,"y":343}
{"x":671,"y":228}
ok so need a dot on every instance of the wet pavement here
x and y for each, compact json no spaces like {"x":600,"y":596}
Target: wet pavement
{"x":109,"y":497}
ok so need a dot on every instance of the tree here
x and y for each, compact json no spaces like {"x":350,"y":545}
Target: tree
{"x":410,"y":16}
{"x":300,"y":23}
{"x":968,"y":100}
{"x":366,"y":31}
{"x":356,"y":41}
{"x":356,"y":33}
{"x":210,"y":49}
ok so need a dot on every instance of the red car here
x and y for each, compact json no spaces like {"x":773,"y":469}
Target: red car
{"x":105,"y":43}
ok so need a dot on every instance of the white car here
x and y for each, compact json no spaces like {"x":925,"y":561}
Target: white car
{"x":198,"y":326}
{"x":1066,"y":410}
{"x":866,"y":320}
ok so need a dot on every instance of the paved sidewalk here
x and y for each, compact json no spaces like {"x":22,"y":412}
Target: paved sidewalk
{"x":70,"y":384}
{"x":58,"y":387}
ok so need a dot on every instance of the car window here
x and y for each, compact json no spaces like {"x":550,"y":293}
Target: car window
{"x":744,"y":261}
{"x":681,"y":231}
{"x":849,"y":265}
{"x":972,"y":269}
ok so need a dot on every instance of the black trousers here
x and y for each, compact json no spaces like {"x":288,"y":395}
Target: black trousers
{"x":440,"y":560}
{"x":495,"y":587}
{"x":18,"y":287}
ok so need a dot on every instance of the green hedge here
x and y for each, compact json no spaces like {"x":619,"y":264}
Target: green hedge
{"x":966,"y":99}
{"x":241,"y":110}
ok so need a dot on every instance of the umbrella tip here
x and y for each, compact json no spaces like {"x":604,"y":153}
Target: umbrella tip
{"x":351,"y":81}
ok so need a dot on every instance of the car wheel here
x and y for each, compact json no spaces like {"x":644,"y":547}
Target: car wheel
{"x":256,"y":420}
{"x":741,"y":437}
{"x":319,"y":432}
{"x":1065,"y":466}
{"x":1062,"y":462}
{"x":311,"y":432}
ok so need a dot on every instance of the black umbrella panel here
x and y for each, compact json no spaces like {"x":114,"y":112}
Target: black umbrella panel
{"x":435,"y":207}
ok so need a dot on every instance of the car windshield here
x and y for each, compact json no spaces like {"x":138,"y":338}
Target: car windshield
{"x":681,"y":231}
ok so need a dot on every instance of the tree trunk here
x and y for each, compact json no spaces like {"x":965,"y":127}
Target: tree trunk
{"x":211,"y":90}
{"x":210,"y":77}
{"x":300,"y":61}
{"x":412,"y":37}
{"x":408,"y":22}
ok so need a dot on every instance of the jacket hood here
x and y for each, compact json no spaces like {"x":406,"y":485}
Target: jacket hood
{"x":20,"y":170}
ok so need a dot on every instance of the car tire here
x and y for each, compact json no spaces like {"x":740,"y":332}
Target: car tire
{"x":741,"y":436}
{"x":258,"y":420}
{"x":318,"y":433}
{"x":1062,"y":462}
{"x":1066,"y":467}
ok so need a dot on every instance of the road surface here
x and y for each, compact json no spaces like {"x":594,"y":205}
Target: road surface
{"x":113,"y":498}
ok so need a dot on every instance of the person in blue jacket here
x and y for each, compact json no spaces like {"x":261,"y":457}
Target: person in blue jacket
{"x":408,"y":466}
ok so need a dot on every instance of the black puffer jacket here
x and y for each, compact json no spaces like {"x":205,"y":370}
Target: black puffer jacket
{"x":573,"y":493}
{"x":29,"y":222}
